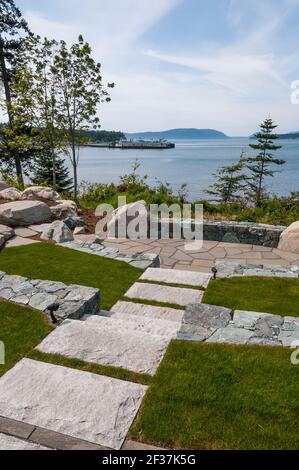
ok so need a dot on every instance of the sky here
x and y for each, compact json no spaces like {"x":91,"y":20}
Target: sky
{"x":221,"y":64}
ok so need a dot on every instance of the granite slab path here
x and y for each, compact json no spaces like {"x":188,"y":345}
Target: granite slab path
{"x":75,"y":403}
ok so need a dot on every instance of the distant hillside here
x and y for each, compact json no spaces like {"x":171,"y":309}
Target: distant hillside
{"x":179,"y":134}
{"x":290,"y":135}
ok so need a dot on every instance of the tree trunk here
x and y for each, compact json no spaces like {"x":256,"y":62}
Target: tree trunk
{"x":74,"y":163}
{"x":5,"y":80}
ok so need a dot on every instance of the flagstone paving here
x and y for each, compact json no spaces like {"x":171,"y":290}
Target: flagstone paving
{"x":173,"y":254}
{"x":79,"y":404}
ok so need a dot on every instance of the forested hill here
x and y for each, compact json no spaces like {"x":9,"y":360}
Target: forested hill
{"x":179,"y":134}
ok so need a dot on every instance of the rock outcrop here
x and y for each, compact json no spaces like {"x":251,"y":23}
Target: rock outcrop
{"x":64,"y":209}
{"x":24,"y":213}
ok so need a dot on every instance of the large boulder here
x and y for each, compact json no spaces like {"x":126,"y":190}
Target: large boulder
{"x":35,"y":193}
{"x":289,"y":239}
{"x":58,"y":232}
{"x":10,"y":194}
{"x":24,"y":213}
{"x":6,"y":232}
{"x":130,"y":221}
{"x":64,"y":209}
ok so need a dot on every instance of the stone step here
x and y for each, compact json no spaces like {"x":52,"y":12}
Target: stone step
{"x":165,"y":294}
{"x":149,"y":326}
{"x":175,"y":276}
{"x":110,"y":345}
{"x":148,"y":311}
{"x":13,"y":443}
{"x":79,"y":404}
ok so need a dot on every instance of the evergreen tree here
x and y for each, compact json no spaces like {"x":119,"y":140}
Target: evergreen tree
{"x":260,"y":165}
{"x":12,"y":26}
{"x":43,"y":173}
{"x":229,"y":182}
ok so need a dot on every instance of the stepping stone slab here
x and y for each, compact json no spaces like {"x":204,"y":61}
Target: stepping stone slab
{"x":175,"y":276}
{"x":79,"y":404}
{"x":20,"y":241}
{"x":149,"y":311}
{"x":148,"y":326}
{"x":25,"y":232}
{"x":164,"y":294}
{"x":109,"y":344}
{"x":13,"y":443}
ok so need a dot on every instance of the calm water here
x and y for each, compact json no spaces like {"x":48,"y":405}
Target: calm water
{"x":191,"y":162}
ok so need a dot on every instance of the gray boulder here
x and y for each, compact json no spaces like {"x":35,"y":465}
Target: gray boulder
{"x":10,"y":194}
{"x":129,"y":221}
{"x":64,"y":209}
{"x":289,"y":239}
{"x":58,"y":232}
{"x":6,"y":232}
{"x":24,"y":213}
{"x":39,"y":192}
{"x":74,"y":222}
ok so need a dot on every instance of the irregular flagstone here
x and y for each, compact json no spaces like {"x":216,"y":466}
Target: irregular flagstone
{"x":231,"y":335}
{"x":202,"y":320}
{"x":39,"y":228}
{"x":230,"y":269}
{"x":13,"y":443}
{"x":148,"y":326}
{"x":79,"y":404}
{"x":20,"y":241}
{"x":175,"y":276}
{"x":149,"y":311}
{"x":25,"y":232}
{"x":164,"y":294}
{"x":109,"y":343}
{"x":73,"y":301}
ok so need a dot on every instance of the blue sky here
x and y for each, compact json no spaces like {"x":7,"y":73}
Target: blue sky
{"x":223,"y":64}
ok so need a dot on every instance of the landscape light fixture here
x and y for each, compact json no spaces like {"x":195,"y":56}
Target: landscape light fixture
{"x":53,"y":308}
{"x":214,"y":271}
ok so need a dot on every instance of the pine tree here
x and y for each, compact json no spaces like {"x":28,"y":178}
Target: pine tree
{"x":12,"y":27}
{"x":229,"y":182}
{"x":43,"y":173}
{"x":260,"y":165}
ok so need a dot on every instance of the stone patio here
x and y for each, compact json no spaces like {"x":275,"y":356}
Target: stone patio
{"x":174,"y":256}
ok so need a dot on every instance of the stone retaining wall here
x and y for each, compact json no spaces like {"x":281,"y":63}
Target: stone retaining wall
{"x":74,"y":301}
{"x":231,"y":232}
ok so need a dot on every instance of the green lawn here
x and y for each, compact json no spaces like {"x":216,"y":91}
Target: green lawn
{"x":222,"y":397}
{"x":55,"y":263}
{"x":279,"y":296}
{"x":21,"y":329}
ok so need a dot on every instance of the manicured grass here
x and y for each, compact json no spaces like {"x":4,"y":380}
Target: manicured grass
{"x":260,"y":294}
{"x":55,"y":263}
{"x":109,"y":371}
{"x":21,"y":329}
{"x":222,"y":397}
